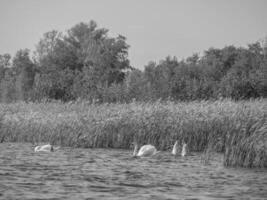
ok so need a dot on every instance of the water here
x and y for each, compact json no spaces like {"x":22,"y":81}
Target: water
{"x":114,"y":174}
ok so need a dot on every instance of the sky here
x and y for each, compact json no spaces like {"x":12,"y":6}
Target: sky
{"x":154,"y":28}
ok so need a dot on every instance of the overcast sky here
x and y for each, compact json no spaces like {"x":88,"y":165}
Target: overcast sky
{"x":154,"y":28}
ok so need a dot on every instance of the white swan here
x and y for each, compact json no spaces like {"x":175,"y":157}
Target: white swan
{"x":144,"y":151}
{"x":175,"y":148}
{"x":44,"y":148}
{"x":185,"y":150}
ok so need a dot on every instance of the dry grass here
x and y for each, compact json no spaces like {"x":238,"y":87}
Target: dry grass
{"x":237,"y":128}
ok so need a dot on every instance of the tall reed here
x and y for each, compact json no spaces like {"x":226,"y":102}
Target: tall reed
{"x":236,"y":128}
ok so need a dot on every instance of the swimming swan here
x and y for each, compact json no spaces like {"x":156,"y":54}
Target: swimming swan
{"x":45,"y":148}
{"x":175,"y":148}
{"x":144,"y":151}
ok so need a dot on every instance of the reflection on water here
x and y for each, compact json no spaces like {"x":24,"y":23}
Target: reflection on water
{"x":114,"y":174}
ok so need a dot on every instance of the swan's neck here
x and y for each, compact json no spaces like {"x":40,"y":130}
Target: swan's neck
{"x":184,"y":150}
{"x":37,"y":148}
{"x":135,"y":150}
{"x":174,"y":149}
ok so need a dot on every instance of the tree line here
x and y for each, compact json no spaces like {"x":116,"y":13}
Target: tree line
{"x":86,"y":63}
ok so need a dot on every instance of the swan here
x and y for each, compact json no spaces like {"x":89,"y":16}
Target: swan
{"x":144,"y":151}
{"x":45,"y":148}
{"x":185,"y":150}
{"x":175,"y":148}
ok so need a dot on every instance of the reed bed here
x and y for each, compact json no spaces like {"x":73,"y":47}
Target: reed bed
{"x":238,"y":129}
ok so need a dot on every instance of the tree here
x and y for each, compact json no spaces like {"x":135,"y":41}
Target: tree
{"x":4,"y":63}
{"x":24,"y":69}
{"x":135,"y":85}
{"x":88,"y":53}
{"x":8,"y":88}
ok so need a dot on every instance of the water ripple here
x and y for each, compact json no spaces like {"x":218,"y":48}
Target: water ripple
{"x":114,"y":174}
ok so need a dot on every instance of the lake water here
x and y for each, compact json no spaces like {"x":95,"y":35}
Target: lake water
{"x":113,"y":174}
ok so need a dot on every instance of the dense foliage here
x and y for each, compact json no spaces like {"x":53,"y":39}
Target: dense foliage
{"x":85,"y":63}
